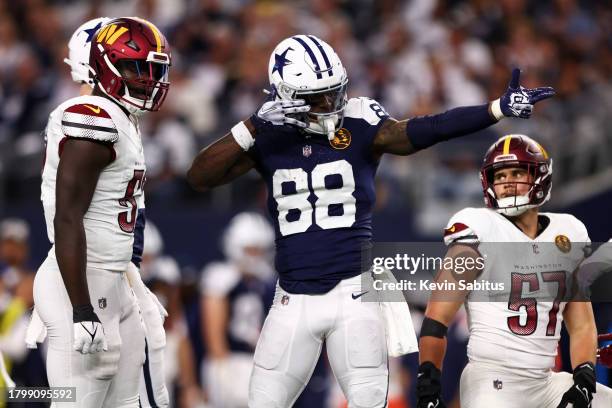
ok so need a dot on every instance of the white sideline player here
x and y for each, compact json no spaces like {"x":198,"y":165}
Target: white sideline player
{"x":91,"y":192}
{"x":233,"y":311}
{"x":514,"y":336}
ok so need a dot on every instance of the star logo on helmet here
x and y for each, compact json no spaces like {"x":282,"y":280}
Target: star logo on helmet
{"x":91,"y":31}
{"x":280,"y":61}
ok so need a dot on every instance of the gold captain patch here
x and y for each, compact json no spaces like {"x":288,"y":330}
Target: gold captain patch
{"x":341,"y":140}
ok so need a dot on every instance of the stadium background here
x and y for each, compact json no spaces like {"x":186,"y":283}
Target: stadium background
{"x":414,"y":57}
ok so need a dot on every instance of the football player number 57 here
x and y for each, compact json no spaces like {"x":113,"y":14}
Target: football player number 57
{"x":127,"y":219}
{"x":530,"y":304}
{"x":291,"y":191}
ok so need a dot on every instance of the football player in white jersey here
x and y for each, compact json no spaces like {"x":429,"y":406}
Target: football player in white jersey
{"x":153,"y":391}
{"x":525,"y":255}
{"x":233,"y":308}
{"x":91,"y":189}
{"x":318,"y":152}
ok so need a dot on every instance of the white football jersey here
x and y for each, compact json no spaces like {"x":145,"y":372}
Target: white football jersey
{"x":109,"y":221}
{"x":517,"y":323}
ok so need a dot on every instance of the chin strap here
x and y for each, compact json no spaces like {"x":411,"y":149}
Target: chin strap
{"x":329,"y":125}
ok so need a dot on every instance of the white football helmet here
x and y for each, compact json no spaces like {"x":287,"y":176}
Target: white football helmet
{"x":78,"y":50}
{"x":247,"y":231}
{"x":306,"y":67}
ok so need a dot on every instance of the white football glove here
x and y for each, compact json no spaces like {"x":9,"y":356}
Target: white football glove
{"x":89,"y":337}
{"x":162,"y":310}
{"x":88,"y":331}
{"x":276,"y":112}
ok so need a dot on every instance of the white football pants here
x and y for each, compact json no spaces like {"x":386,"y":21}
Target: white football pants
{"x":291,"y":341}
{"x":486,"y":385}
{"x":153,"y":391}
{"x":104,"y":379}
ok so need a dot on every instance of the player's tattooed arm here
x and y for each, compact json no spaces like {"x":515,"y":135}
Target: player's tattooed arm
{"x":425,"y":131}
{"x":80,"y":166}
{"x":220,"y":162}
{"x":391,"y":138}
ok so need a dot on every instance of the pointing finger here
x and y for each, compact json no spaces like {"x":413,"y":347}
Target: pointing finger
{"x":541,"y":94}
{"x":516,"y":75}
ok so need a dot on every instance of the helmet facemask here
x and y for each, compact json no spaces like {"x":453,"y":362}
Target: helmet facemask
{"x":538,"y":183}
{"x":327,"y":106}
{"x":145,"y":83}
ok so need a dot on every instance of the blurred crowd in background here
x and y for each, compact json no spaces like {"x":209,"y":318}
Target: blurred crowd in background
{"x":414,"y":57}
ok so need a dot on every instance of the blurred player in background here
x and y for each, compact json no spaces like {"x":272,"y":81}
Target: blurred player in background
{"x":514,"y":338}
{"x":16,"y":281}
{"x":318,"y":152}
{"x":233,"y":308}
{"x":91,"y":189}
{"x":179,"y":371}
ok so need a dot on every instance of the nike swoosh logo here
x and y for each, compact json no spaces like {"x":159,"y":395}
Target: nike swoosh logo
{"x":358,"y":295}
{"x":95,"y":110}
{"x":93,"y":335}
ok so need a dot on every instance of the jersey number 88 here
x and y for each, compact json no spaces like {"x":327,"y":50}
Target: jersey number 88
{"x":297,"y":207}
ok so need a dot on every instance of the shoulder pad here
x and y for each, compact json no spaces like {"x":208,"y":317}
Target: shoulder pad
{"x":218,"y":279}
{"x":466,"y":226}
{"x":367,"y":109}
{"x":577,"y":231}
{"x":89,"y":121}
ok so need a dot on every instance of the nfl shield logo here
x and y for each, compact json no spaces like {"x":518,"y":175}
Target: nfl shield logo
{"x":102,"y":303}
{"x":498,"y":384}
{"x":285,"y":300}
{"x":307,"y":150}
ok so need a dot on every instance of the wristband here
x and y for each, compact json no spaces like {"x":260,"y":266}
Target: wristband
{"x":84,"y":313}
{"x":242,"y":136}
{"x":496,"y":109}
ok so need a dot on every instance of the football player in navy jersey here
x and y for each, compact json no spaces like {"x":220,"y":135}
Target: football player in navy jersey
{"x":318,"y":152}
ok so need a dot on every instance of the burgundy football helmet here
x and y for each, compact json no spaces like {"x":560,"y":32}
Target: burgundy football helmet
{"x":130,"y":59}
{"x":517,"y":151}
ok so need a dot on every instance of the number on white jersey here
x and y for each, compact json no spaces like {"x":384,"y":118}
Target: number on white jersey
{"x":517,"y":301}
{"x":135,"y":187}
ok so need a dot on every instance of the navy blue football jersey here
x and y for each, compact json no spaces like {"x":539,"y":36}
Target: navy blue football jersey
{"x":247,"y":298}
{"x":320,"y":197}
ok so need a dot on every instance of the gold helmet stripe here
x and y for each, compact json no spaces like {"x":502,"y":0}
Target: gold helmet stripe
{"x":543,"y":151}
{"x":507,"y":141}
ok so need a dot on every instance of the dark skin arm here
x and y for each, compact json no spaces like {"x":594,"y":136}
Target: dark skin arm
{"x":80,"y":166}
{"x":220,"y":163}
{"x":392,"y":138}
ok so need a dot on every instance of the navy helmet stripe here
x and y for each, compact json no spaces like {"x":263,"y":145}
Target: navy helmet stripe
{"x":312,"y":56}
{"x":320,"y":47}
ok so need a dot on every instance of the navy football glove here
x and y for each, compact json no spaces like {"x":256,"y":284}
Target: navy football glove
{"x":581,"y":393}
{"x":518,"y":101}
{"x":429,"y":388}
